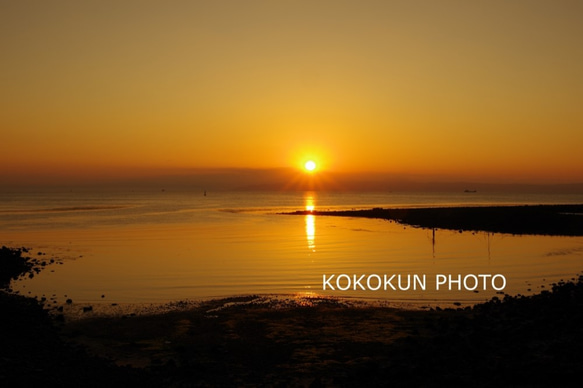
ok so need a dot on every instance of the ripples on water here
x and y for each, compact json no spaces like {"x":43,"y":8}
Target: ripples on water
{"x":162,"y":246}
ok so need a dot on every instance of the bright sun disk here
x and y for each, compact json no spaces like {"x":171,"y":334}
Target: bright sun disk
{"x":310,"y":165}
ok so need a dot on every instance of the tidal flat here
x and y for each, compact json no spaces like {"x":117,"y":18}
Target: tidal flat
{"x":549,"y":220}
{"x":298,"y":341}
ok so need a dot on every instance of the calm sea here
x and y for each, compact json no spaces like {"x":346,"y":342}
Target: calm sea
{"x":160,"y":246}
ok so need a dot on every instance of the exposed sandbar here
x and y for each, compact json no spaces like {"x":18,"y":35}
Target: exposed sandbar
{"x":552,"y":220}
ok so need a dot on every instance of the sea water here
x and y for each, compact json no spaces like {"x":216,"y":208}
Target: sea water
{"x":155,"y":246}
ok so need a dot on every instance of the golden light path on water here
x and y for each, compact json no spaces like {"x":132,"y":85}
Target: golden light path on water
{"x":310,"y":221}
{"x":217,"y":253}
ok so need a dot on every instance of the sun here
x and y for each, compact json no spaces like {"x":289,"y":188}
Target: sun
{"x":310,"y":165}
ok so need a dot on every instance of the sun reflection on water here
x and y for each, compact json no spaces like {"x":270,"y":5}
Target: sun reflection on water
{"x":310,"y":220}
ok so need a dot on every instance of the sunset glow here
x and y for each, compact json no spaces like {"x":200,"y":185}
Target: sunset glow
{"x":108,"y":94}
{"x":291,"y":193}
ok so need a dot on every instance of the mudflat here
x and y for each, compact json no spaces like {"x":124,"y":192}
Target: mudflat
{"x":552,"y":220}
{"x":252,"y":341}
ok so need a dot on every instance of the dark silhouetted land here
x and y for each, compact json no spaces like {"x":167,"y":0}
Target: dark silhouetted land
{"x":552,"y":220}
{"x":310,"y":342}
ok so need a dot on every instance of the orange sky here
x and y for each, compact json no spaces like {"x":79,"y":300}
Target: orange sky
{"x":442,"y":90}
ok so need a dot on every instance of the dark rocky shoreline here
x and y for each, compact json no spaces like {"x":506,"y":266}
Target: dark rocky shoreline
{"x":247,"y":341}
{"x":33,"y":353}
{"x":32,"y":350}
{"x":552,"y":220}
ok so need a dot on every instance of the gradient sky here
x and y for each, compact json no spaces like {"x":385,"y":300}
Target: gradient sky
{"x":475,"y":90}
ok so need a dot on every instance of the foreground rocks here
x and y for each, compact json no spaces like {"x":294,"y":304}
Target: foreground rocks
{"x":516,"y":341}
{"x":32,"y":351}
{"x":255,"y":341}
